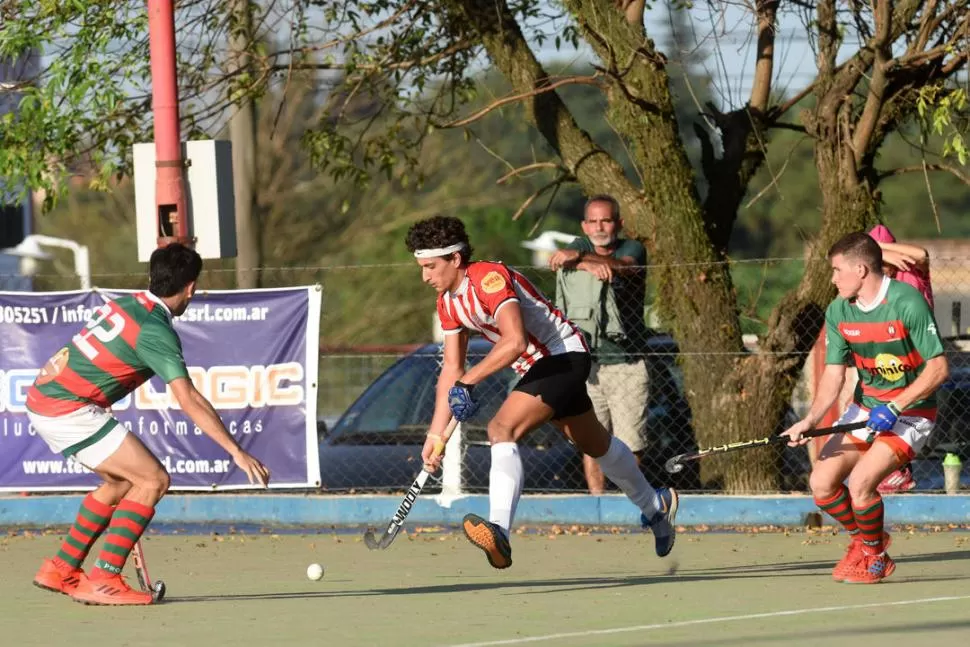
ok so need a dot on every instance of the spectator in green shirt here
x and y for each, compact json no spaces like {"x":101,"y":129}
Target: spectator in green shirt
{"x":600,"y":287}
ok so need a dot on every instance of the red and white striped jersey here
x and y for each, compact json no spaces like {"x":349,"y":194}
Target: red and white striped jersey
{"x":486,"y":288}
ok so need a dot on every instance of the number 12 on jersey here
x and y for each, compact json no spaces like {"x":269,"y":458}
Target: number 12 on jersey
{"x":116,"y":322}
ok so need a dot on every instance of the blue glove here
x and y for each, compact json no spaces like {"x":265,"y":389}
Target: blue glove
{"x":883,"y":417}
{"x":460,"y":401}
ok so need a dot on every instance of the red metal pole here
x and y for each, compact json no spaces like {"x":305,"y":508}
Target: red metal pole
{"x":172,"y":214}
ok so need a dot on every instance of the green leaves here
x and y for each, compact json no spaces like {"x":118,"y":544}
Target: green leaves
{"x":400,"y":66}
{"x":942,"y":110}
{"x":76,"y":110}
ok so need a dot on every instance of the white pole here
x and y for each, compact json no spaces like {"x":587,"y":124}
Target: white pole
{"x":82,"y":260}
{"x":82,"y":266}
{"x":451,"y":465}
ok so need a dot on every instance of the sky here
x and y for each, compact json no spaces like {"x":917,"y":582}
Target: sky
{"x":722,"y":31}
{"x":725,"y":31}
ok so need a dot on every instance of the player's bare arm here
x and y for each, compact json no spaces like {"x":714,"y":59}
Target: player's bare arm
{"x":452,"y":370}
{"x":829,"y":387}
{"x":935,"y":372}
{"x":205,"y":416}
{"x":508,"y":349}
{"x":904,"y":256}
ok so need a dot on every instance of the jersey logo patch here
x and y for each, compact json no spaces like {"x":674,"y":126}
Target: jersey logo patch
{"x":892,"y":330}
{"x":493,"y":282}
{"x":53,"y":367}
{"x":890,"y":367}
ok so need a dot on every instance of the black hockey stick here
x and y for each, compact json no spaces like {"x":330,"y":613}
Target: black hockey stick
{"x":397,"y":521}
{"x":676,"y":464}
{"x":156,"y":588}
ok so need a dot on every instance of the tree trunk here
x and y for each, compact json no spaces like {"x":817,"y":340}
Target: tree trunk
{"x":695,"y":293}
{"x":242,"y":134}
{"x":733,"y":395}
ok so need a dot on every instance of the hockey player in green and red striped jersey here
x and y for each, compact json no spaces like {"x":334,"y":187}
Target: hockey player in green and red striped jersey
{"x":887,"y":331}
{"x":125,"y":343}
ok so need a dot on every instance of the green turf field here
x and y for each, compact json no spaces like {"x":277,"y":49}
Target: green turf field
{"x":566,"y":590}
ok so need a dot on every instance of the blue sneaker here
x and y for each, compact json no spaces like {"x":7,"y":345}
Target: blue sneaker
{"x":662,"y":523}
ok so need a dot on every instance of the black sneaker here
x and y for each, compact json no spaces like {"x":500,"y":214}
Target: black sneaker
{"x":490,"y":538}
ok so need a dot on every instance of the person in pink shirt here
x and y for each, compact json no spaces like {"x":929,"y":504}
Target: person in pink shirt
{"x":904,"y":262}
{"x":908,"y":264}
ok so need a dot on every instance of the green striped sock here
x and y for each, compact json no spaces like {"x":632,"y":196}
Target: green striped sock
{"x":127,"y":525}
{"x":92,"y":518}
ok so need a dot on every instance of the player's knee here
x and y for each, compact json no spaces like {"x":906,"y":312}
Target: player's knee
{"x":116,"y":488}
{"x":862,"y":487}
{"x":157,"y":482}
{"x":822,"y":484}
{"x":499,"y":432}
{"x":163,"y":482}
{"x":595,"y":443}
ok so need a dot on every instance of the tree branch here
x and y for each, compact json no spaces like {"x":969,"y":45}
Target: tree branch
{"x":766,"y":12}
{"x":523,"y":169}
{"x":508,"y":49}
{"x":781,"y":125}
{"x":828,"y":39}
{"x":538,"y":192}
{"x":946,"y":168}
{"x":775,"y":176}
{"x":633,"y":11}
{"x":382,"y":67}
{"x":794,"y":100}
{"x":881,"y":48}
{"x":925,"y":28}
{"x":545,"y":87}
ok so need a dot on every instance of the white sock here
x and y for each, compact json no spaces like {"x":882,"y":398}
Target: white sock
{"x":620,"y":466}
{"x":504,"y":484}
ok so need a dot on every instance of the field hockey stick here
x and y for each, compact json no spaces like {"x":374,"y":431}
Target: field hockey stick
{"x":397,"y":521}
{"x":157,"y":588}
{"x":676,"y":464}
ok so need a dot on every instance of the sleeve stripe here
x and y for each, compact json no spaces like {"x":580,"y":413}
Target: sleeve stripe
{"x":501,"y":305}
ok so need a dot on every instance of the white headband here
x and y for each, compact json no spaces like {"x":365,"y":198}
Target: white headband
{"x":439,"y":251}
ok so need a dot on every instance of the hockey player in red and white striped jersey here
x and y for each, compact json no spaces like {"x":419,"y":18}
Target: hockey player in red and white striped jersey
{"x":551,"y":356}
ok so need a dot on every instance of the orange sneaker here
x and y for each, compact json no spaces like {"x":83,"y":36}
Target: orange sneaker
{"x":490,"y":538}
{"x":109,"y":590}
{"x":853,"y":554}
{"x":58,"y":576}
{"x":871,"y":569}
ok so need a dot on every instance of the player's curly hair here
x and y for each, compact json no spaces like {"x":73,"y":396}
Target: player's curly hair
{"x":438,"y":232}
{"x":860,"y":246}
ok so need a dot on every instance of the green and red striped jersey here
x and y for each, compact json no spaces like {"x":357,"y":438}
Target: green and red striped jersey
{"x":888,"y":343}
{"x":125,"y":343}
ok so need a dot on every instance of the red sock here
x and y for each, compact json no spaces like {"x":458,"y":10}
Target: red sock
{"x":869,"y":516}
{"x":127,"y":525}
{"x":839,"y":507}
{"x":92,"y":519}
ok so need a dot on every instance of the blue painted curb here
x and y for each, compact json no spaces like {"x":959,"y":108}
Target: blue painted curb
{"x":294,"y":509}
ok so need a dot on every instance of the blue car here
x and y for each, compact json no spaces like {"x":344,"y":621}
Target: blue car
{"x":376,"y":444}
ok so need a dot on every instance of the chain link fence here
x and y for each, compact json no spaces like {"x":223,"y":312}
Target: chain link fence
{"x":379,"y":364}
